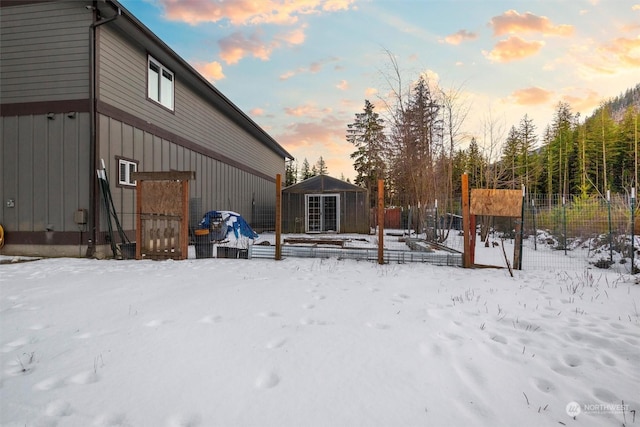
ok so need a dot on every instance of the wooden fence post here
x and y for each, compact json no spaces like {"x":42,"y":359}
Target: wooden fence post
{"x":278,"y":217}
{"x":380,"y":221}
{"x":466,"y":222}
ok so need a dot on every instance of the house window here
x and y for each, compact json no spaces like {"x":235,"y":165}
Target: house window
{"x":125,"y":170}
{"x":160,"y":83}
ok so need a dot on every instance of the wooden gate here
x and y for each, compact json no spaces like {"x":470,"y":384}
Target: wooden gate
{"x":162,"y":214}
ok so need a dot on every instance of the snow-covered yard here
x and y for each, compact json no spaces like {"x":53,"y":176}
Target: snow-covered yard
{"x":315,"y":342}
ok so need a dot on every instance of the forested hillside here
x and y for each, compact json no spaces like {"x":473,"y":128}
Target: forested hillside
{"x":576,"y":155}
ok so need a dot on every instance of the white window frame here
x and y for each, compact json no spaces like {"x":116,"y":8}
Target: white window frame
{"x":321,"y":212}
{"x":125,"y":169}
{"x":160,"y":83}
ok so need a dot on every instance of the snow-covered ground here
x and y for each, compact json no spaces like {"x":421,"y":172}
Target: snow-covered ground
{"x":315,"y":342}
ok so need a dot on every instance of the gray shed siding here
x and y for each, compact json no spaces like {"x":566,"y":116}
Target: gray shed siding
{"x":45,"y":52}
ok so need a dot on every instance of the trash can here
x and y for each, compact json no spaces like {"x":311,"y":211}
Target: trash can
{"x":204,"y":246}
{"x":128,"y":250}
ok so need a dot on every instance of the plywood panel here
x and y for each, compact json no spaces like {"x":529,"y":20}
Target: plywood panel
{"x":496,"y":202}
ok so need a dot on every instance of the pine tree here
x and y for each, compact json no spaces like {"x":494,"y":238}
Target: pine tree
{"x":527,"y":139}
{"x":366,"y":133}
{"x":510,"y":154}
{"x":305,"y":171}
{"x":321,"y":167}
{"x":291,"y":173}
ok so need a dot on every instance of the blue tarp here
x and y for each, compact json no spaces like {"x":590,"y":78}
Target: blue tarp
{"x":233,"y":221}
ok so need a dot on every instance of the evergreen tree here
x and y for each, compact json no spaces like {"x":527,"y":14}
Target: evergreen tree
{"x":305,"y":171}
{"x":476,"y":165}
{"x":417,"y":145}
{"x":527,"y":139}
{"x":510,"y":158}
{"x":291,"y":173}
{"x":321,"y":167}
{"x":366,"y":133}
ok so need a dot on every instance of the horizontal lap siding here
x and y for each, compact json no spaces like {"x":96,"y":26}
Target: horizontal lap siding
{"x":45,"y":52}
{"x":122,"y":75}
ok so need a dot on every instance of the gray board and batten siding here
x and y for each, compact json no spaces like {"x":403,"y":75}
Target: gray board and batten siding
{"x":44,"y":161}
{"x":45,"y":116}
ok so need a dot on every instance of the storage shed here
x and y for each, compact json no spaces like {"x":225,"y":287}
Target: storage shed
{"x":323,"y":204}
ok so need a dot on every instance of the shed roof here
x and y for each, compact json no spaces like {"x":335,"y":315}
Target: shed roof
{"x":322,"y":184}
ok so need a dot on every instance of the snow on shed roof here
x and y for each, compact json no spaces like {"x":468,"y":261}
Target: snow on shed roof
{"x":322,"y":184}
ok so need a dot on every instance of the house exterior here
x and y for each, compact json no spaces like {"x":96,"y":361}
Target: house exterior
{"x":323,"y":204}
{"x":85,"y":82}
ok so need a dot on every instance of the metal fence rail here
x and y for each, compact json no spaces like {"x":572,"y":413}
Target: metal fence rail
{"x":365,"y":254}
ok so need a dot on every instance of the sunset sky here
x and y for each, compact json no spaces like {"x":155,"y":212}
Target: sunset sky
{"x":302,"y":69}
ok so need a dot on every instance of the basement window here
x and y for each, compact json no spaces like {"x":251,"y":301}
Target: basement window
{"x":160,"y":82}
{"x":125,"y":170}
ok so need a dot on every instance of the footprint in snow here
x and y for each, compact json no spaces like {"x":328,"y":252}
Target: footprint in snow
{"x":269,"y":314}
{"x":544,"y":385}
{"x":210,"y":319}
{"x":48,"y":384}
{"x":377,"y":325}
{"x":572,"y":360}
{"x":154,"y":323}
{"x":192,"y":420}
{"x":607,"y":360}
{"x":276,"y":343}
{"x":605,"y":395}
{"x":111,"y":420}
{"x":267,"y":379}
{"x":500,"y":339}
{"x":15,"y":344}
{"x":84,"y":378}
{"x":308,"y":321}
{"x":59,"y":408}
{"x":401,"y":296}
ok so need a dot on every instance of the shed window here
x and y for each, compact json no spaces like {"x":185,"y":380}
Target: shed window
{"x":160,"y":83}
{"x":125,"y":170}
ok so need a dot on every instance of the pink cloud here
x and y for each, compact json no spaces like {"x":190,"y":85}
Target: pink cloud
{"x":584,"y":101}
{"x":294,"y":37}
{"x":316,"y":133}
{"x":511,"y":22}
{"x":370,"y":91}
{"x":237,"y":46}
{"x":513,"y":49}
{"x":459,"y":37}
{"x":210,"y":70}
{"x":625,"y":51}
{"x":343,"y":85}
{"x":313,"y":68}
{"x":248,"y":12}
{"x":531,"y":96}
{"x":306,"y":110}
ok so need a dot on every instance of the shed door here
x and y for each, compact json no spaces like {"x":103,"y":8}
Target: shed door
{"x":322,"y":213}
